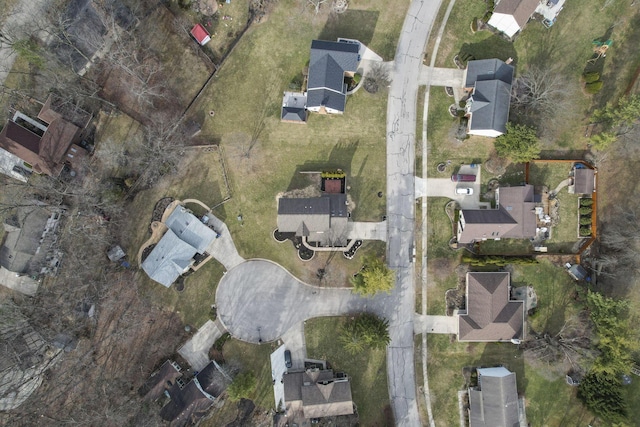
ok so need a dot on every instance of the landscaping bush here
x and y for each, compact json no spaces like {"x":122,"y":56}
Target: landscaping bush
{"x":585,"y":231}
{"x":586,"y":210}
{"x":586,"y":202}
{"x":591,"y":76}
{"x":498,"y":261}
{"x":594,"y":87}
{"x":585,"y":220}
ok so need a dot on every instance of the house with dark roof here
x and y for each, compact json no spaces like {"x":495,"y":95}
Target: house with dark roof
{"x":510,"y":16}
{"x":489,"y":83}
{"x":494,"y":401}
{"x":490,"y":314}
{"x":190,"y":402}
{"x":44,"y":144}
{"x":514,"y":217}
{"x":174,"y":254}
{"x":317,"y":393}
{"x":160,"y":381}
{"x":321,"y":220}
{"x":329,"y":64}
{"x":294,"y":106}
{"x":584,"y":181}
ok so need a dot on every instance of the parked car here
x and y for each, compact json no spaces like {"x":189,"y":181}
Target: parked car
{"x":461,"y":177}
{"x":287,"y":358}
{"x":465,"y":191}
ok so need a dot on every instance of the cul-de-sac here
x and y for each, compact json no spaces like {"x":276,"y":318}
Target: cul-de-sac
{"x":299,"y":213}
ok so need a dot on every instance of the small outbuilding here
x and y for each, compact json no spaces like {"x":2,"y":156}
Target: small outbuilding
{"x":201,"y":34}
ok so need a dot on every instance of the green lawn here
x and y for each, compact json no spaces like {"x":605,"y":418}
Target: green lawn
{"x":246,"y":357}
{"x":246,"y":96}
{"x":367,"y":370}
{"x":549,"y":402}
{"x":555,"y":290}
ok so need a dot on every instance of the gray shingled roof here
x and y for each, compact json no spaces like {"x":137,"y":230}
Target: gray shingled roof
{"x":168,"y":259}
{"x":190,"y":229}
{"x":327,"y":65}
{"x":514,"y":218}
{"x":294,"y":114}
{"x":320,"y":219}
{"x":293,"y":107}
{"x":491,"y":315}
{"x":583,"y":180}
{"x":492,"y":111}
{"x":495,"y":401}
{"x":321,"y":395}
{"x":488,"y":69}
{"x":22,"y":239}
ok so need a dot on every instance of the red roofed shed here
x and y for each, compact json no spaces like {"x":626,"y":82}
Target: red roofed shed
{"x":200,"y":34}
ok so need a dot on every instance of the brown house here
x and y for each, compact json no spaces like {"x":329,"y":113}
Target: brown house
{"x":45,"y":144}
{"x":490,"y":314}
{"x":513,"y":218}
{"x":317,"y":394}
{"x":161,"y":380}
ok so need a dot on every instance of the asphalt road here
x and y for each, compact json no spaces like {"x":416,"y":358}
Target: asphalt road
{"x":401,"y":126}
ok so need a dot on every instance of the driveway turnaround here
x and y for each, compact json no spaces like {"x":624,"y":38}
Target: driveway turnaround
{"x":401,"y":138}
{"x":258,"y":301}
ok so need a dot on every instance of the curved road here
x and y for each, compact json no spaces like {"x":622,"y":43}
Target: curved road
{"x":401,"y":127}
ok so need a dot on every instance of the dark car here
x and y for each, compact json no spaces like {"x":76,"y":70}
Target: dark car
{"x":287,"y":358}
{"x":461,"y":177}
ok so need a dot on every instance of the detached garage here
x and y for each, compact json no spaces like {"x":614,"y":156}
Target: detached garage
{"x":510,"y":16}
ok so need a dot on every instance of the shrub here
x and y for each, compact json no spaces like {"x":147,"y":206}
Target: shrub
{"x":591,"y":76}
{"x":585,"y":231}
{"x":585,"y":220}
{"x":487,"y":16}
{"x":594,"y":87}
{"x":586,"y":202}
{"x":586,"y":210}
{"x":474,"y":25}
{"x":242,"y":386}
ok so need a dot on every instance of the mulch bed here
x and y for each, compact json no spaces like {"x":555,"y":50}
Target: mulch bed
{"x":158,"y":210}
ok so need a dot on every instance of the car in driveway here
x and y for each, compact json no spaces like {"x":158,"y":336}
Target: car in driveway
{"x":464,"y":191}
{"x":287,"y":358}
{"x":463,"y":177}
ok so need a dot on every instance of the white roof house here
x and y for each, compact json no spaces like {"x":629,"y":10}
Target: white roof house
{"x":510,"y":16}
{"x":172,"y":256}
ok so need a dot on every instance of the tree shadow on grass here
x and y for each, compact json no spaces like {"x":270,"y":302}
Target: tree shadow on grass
{"x":353,"y":24}
{"x":514,"y":175}
{"x":491,"y":47}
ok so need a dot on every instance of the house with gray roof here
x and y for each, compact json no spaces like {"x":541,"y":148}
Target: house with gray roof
{"x":490,"y":314}
{"x":317,"y":393}
{"x":174,"y":254}
{"x":321,"y":220}
{"x":513,"y":218}
{"x":584,"y":181}
{"x":489,"y":83}
{"x":329,"y":64}
{"x":494,"y":401}
{"x":190,"y":402}
{"x":294,"y":107}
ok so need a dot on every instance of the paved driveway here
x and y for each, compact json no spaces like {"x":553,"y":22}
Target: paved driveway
{"x":259,"y":301}
{"x":196,"y":350}
{"x":367,"y":230}
{"x":451,"y":77}
{"x":435,"y":324}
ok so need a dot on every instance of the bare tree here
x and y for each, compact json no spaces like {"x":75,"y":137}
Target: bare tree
{"x":316,"y":4}
{"x":377,"y":77}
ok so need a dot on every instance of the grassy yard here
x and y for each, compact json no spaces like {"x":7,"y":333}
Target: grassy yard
{"x":551,"y":175}
{"x":549,"y":402}
{"x":246,"y":357}
{"x":264,"y":155}
{"x":367,"y":370}
{"x":555,"y":290}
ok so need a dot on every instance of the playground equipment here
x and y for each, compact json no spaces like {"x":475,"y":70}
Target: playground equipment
{"x":599,"y":49}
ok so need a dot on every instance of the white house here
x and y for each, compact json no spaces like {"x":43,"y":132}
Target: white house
{"x":510,"y":16}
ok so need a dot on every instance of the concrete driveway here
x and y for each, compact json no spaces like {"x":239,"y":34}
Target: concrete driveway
{"x":452,"y":77}
{"x":196,"y":350}
{"x":367,"y":230}
{"x":428,"y":324}
{"x":444,"y":187}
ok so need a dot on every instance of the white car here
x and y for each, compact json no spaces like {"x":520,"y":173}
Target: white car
{"x":466,"y":191}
